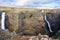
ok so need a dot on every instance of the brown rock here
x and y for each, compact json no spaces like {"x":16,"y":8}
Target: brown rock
{"x":20,"y":38}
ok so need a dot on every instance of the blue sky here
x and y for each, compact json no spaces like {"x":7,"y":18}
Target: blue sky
{"x":31,"y":3}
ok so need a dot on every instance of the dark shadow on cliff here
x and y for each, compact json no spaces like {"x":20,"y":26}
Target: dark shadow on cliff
{"x":7,"y":24}
{"x":54,"y":20}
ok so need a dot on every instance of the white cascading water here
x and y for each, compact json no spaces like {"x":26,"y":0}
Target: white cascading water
{"x":47,"y":22}
{"x":3,"y":21}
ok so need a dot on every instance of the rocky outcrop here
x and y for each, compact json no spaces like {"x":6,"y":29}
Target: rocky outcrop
{"x":30,"y":22}
{"x":26,"y":23}
{"x":6,"y":35}
{"x":39,"y":37}
{"x":12,"y":21}
{"x":54,"y":19}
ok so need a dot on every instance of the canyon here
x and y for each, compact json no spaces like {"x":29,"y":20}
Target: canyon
{"x":31,"y":22}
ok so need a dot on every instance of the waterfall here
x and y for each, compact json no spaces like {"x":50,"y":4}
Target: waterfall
{"x":3,"y":21}
{"x":47,"y":22}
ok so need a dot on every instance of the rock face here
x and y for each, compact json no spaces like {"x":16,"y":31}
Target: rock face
{"x":6,"y":35}
{"x":31,"y":22}
{"x":54,"y":19}
{"x":39,"y":37}
{"x":12,"y":21}
{"x":26,"y":23}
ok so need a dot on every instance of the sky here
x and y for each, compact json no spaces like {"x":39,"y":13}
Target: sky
{"x":31,"y":3}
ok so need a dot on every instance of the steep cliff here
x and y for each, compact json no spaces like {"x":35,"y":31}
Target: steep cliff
{"x":28,"y":21}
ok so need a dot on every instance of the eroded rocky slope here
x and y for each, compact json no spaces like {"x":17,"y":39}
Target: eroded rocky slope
{"x":30,"y":22}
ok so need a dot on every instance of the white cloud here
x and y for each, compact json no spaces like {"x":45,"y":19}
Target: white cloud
{"x":44,"y":1}
{"x":21,"y":2}
{"x":29,"y":2}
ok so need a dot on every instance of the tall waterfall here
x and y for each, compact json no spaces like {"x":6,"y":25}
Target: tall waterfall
{"x":3,"y":21}
{"x":47,"y":22}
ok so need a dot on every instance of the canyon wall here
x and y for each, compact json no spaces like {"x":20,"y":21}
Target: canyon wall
{"x":29,"y":21}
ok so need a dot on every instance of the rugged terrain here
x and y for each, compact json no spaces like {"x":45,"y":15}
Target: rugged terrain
{"x":29,"y":22}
